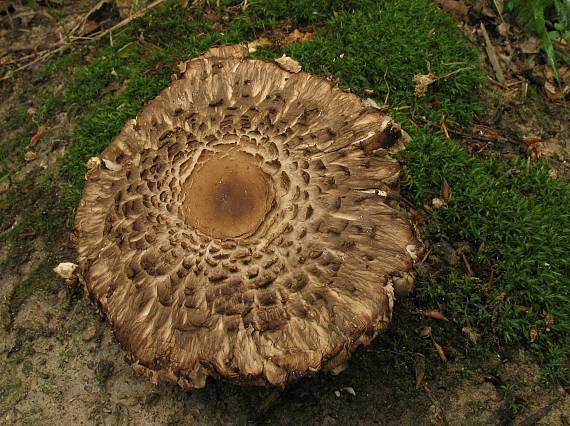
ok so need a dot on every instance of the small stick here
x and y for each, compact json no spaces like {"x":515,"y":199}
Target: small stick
{"x":496,"y":83}
{"x":492,"y":56}
{"x":535,"y":417}
{"x":81,"y":24}
{"x":129,"y":19}
{"x":439,"y":414}
{"x":43,"y":55}
{"x":467,"y":265}
{"x":64,"y":45}
{"x":491,"y":279}
{"x":457,"y":71}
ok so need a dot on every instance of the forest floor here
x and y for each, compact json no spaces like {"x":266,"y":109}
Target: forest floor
{"x":485,"y":179}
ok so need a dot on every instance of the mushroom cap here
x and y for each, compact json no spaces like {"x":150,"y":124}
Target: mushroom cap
{"x":242,"y":226}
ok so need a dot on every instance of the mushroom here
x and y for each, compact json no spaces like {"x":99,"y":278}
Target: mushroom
{"x":247,"y":228}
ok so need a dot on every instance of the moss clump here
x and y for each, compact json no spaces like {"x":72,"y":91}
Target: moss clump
{"x":10,"y":392}
{"x":519,"y":222}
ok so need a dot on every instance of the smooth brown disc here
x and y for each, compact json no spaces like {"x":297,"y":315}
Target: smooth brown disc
{"x":227,"y":196}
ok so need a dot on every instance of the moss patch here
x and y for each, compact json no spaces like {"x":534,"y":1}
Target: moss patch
{"x":10,"y":391}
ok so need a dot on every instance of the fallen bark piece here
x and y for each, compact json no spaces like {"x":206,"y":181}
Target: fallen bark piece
{"x":454,"y":7}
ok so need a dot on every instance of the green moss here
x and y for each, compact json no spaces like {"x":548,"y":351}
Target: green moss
{"x":519,"y":221}
{"x":29,"y":212}
{"x":10,"y":391}
{"x":42,"y":278}
{"x":17,"y":130}
{"x":104,"y":371}
{"x":370,"y":50}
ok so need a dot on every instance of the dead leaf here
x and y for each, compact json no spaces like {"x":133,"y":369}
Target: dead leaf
{"x":439,"y":350}
{"x":553,"y":174}
{"x":433,"y":314}
{"x":422,"y":81}
{"x":445,"y":192}
{"x":124,"y":7}
{"x":503,"y":29}
{"x":488,"y":11}
{"x":30,"y":156}
{"x":530,"y":46}
{"x":454,"y":7}
{"x":552,"y":91}
{"x":548,"y":322}
{"x":288,"y":64}
{"x":21,"y":13}
{"x":260,"y":42}
{"x":471,"y":335}
{"x":491,"y":54}
{"x":535,"y":146}
{"x":297,"y":35}
{"x":444,"y":128}
{"x":4,"y":187}
{"x":425,"y":332}
{"x":89,"y":27}
{"x":36,"y":136}
{"x":533,"y":334}
{"x":550,"y":88}
{"x":438,"y":417}
{"x":420,"y":363}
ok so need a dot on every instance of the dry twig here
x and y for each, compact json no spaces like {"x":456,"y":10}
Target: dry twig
{"x":75,"y":35}
{"x":492,"y":56}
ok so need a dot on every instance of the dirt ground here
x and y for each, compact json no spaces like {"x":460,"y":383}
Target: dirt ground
{"x":60,"y":363}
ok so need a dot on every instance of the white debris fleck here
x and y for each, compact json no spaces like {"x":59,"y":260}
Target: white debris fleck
{"x":437,"y":203}
{"x":288,"y":64}
{"x":65,"y":270}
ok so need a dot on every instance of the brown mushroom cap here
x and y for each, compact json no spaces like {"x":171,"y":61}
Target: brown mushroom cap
{"x":240,"y":226}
